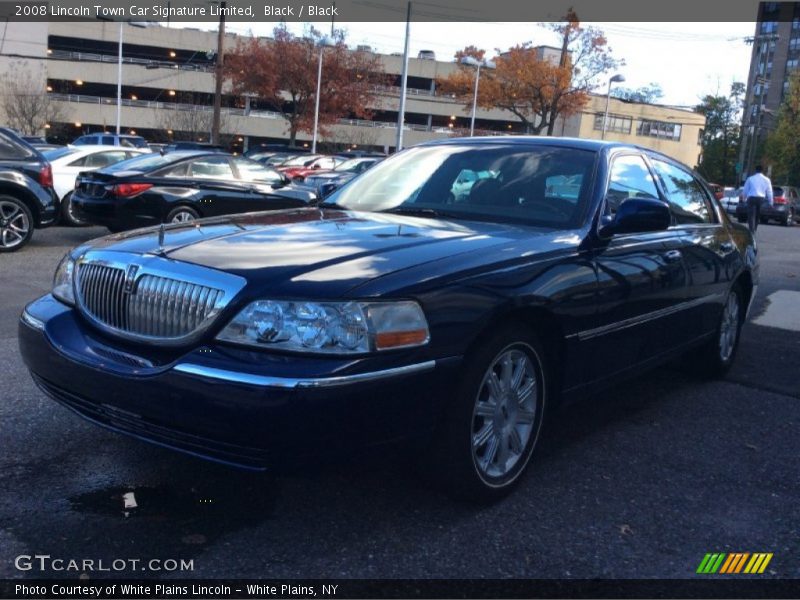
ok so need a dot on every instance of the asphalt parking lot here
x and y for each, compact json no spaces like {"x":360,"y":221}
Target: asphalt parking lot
{"x":640,"y":482}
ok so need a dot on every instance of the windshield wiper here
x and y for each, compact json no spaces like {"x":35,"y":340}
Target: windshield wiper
{"x":417,"y":211}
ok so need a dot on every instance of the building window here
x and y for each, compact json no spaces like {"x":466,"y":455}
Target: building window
{"x":616,"y":123}
{"x":792,"y":63}
{"x":769,"y":26}
{"x":795,"y":24}
{"x":660,"y":129}
{"x":794,"y":43}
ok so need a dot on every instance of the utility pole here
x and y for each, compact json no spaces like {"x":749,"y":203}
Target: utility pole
{"x":218,"y":74}
{"x":119,"y":79}
{"x":747,"y":155}
{"x":401,"y":112}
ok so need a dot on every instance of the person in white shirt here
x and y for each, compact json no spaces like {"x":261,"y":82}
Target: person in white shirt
{"x":757,"y":191}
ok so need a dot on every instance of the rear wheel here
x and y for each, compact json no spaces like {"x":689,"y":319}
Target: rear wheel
{"x":16,"y":224}
{"x":182,"y":214}
{"x":493,"y":423}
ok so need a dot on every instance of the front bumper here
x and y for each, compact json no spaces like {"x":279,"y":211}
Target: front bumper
{"x":248,"y":409}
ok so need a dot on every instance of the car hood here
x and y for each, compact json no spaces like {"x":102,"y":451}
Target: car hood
{"x":311,"y":251}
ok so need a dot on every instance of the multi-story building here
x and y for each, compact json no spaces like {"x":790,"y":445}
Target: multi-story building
{"x":167,"y":82}
{"x":775,"y":56}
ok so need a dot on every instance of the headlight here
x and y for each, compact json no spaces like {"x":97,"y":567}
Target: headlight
{"x":62,"y":281}
{"x":328,"y":327}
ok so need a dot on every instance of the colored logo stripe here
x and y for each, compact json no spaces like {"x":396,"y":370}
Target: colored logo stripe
{"x":710,"y":563}
{"x":734,"y":562}
{"x":758,"y":563}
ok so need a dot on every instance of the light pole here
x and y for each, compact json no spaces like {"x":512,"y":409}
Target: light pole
{"x":323,"y":42}
{"x":474,"y":62}
{"x":615,"y":79}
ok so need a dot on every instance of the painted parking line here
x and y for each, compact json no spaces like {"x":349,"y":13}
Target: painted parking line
{"x":783,"y":311}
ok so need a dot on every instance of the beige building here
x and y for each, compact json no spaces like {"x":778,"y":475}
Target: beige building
{"x":167,"y":77}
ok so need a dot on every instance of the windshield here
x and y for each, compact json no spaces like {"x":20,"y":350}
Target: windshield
{"x":52,"y":155}
{"x":353,"y":165}
{"x":540,"y":185}
{"x":143,"y":163}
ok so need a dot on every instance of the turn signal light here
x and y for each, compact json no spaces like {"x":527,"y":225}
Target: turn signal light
{"x":400,"y":339}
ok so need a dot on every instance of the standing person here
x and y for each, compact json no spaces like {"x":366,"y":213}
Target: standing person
{"x":757,"y":190}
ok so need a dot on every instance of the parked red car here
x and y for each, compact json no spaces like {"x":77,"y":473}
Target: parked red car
{"x":298,"y":168}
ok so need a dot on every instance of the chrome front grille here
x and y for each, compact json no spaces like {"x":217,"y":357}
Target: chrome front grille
{"x":148,"y":306}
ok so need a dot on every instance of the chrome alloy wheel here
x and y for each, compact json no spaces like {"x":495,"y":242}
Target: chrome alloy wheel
{"x":183,"y":216}
{"x":505,"y":414}
{"x":729,"y":327}
{"x":14,"y":225}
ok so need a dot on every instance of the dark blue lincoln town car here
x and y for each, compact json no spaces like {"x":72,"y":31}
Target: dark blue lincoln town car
{"x":447,"y":297}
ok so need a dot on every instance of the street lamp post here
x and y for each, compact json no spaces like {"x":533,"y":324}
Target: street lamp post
{"x":474,"y":62}
{"x":323,"y":42}
{"x":615,"y":79}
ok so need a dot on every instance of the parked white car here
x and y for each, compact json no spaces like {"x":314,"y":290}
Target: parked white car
{"x":68,"y":161}
{"x":730,"y":199}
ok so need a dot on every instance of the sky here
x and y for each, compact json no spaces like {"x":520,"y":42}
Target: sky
{"x":688,"y":60}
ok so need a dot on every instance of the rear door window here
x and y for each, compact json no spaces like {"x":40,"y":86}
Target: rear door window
{"x":211,"y":167}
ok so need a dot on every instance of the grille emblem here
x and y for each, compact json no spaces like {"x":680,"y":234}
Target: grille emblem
{"x":130,"y":278}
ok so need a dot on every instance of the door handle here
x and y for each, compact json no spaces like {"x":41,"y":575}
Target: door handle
{"x":673,"y":256}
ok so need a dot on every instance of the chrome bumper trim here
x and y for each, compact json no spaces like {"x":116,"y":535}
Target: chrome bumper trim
{"x":288,"y":383}
{"x":32,"y":321}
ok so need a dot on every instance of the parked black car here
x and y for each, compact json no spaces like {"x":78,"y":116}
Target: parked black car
{"x":326,"y":182}
{"x":785,"y":209}
{"x":27,"y":199}
{"x":391,"y":313}
{"x":179,"y":187}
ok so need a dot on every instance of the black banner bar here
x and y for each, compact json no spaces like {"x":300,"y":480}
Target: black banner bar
{"x":343,"y":11}
{"x":702,"y":587}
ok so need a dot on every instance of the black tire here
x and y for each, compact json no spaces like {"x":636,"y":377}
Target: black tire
{"x":457,"y":461}
{"x":16,"y":224}
{"x":182,"y":214}
{"x":67,"y":216}
{"x":711,"y":360}
{"x":789,"y":220}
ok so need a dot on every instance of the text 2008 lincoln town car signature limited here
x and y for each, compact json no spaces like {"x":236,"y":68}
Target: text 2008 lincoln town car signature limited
{"x":399,"y":310}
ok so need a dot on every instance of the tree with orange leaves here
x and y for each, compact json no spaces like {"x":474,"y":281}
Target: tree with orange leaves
{"x":536,"y":90}
{"x":283,"y":73}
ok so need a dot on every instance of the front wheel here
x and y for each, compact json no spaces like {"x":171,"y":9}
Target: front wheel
{"x":715,"y":357}
{"x":68,"y":213}
{"x":16,"y":224}
{"x":789,"y":220}
{"x":493,"y":423}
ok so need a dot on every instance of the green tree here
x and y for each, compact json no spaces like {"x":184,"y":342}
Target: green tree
{"x":720,"y":141}
{"x":782,"y":149}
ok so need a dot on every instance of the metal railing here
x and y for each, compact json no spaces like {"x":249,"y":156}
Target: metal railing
{"x":263,"y":114}
{"x":146,"y":62}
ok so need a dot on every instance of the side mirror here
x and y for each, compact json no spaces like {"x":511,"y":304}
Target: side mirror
{"x":316,"y":167}
{"x":326,"y":189}
{"x":638,"y":215}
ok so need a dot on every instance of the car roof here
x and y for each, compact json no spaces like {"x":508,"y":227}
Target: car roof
{"x":528,"y":140}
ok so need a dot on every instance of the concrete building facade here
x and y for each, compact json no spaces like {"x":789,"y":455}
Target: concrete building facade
{"x":167,"y":77}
